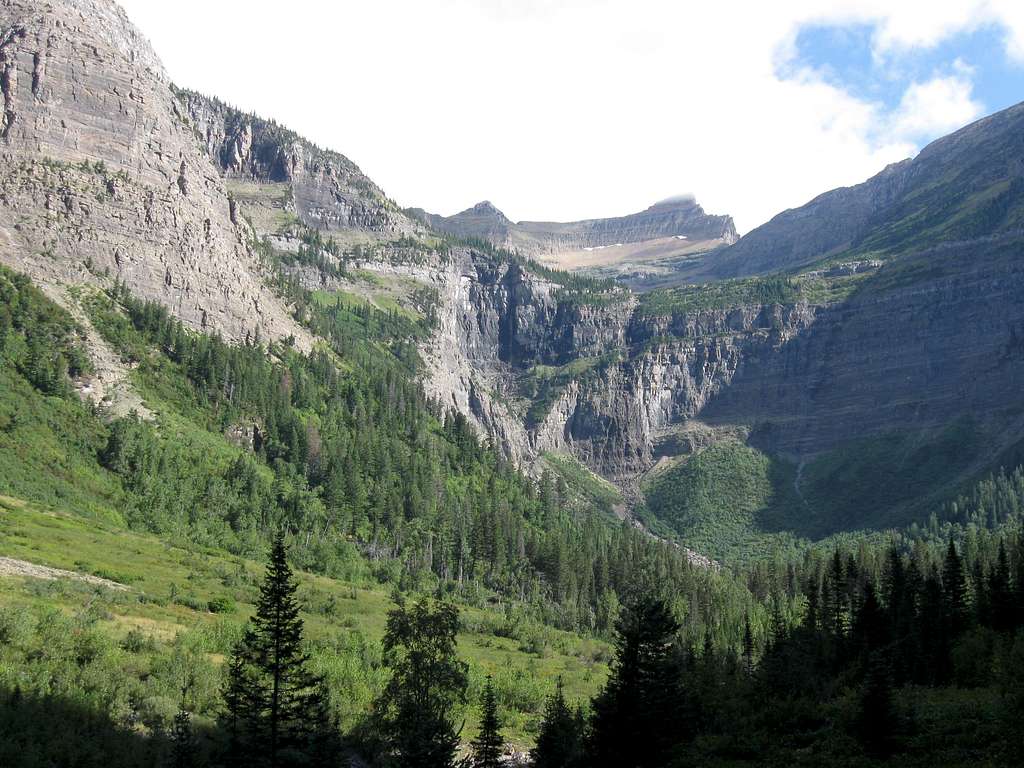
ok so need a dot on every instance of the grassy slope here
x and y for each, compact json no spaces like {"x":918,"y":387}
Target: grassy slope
{"x":168,"y":604}
{"x":583,"y":483}
{"x":48,"y":451}
{"x":726,"y":501}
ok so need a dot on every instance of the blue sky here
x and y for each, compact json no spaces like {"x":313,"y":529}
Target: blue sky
{"x":571,"y":109}
{"x":847,"y":57}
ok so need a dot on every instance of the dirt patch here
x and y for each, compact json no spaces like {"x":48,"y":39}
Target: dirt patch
{"x":11,"y":567}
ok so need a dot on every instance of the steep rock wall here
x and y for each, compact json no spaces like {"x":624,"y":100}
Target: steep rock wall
{"x":101,"y":177}
{"x":329,"y":191}
{"x":924,"y":342}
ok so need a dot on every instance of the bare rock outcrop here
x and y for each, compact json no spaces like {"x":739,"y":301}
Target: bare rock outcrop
{"x":329,"y":191}
{"x":102,"y":179}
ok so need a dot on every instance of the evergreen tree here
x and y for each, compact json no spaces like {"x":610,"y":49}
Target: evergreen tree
{"x":183,"y":742}
{"x":875,"y":725}
{"x":639,"y":716}
{"x":835,"y":598}
{"x":954,"y":588}
{"x":748,"y":646}
{"x":560,"y":741}
{"x":275,"y":706}
{"x":488,"y":744}
{"x":183,"y":748}
{"x":870,"y":628}
{"x":427,"y":681}
{"x":1000,"y":596}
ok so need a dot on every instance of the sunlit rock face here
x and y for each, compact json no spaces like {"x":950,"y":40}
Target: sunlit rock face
{"x":102,"y":177}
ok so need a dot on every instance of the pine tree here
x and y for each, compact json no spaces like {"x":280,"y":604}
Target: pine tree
{"x":1000,"y":596}
{"x":275,"y":706}
{"x":183,"y":743}
{"x":640,"y":715}
{"x":748,"y":646}
{"x":488,"y":744}
{"x":835,"y":598}
{"x":875,"y":718}
{"x":560,"y":741}
{"x":954,"y":589}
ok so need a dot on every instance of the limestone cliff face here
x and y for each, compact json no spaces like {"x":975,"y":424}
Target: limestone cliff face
{"x":101,"y":177}
{"x":924,"y":343}
{"x":641,"y":381}
{"x":329,"y":191}
{"x":926,"y":340}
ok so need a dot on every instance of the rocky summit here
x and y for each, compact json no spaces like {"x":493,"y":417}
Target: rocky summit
{"x":669,"y":228}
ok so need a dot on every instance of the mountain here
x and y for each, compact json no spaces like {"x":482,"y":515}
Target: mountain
{"x":214,"y":333}
{"x":897,"y":292}
{"x":883,"y":365}
{"x":678,"y":225}
{"x":962,"y":186}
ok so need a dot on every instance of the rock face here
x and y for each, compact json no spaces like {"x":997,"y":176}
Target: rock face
{"x":921,"y":345}
{"x":670,"y":218}
{"x":641,"y":380}
{"x":101,"y":177}
{"x":328,"y":190}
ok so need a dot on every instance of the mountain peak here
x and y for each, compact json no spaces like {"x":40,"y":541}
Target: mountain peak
{"x":485,"y":208}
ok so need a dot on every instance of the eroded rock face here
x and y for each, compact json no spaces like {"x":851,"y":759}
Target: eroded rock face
{"x":102,"y":179}
{"x":927,"y":340}
{"x":329,"y":191}
{"x":897,"y":356}
{"x":646,"y":377}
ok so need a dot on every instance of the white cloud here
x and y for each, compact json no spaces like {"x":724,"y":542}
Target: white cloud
{"x":562,"y":110}
{"x":935,"y":107}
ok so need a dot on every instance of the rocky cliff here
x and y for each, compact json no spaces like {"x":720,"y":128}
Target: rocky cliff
{"x":101,"y":177}
{"x":328,"y":191}
{"x":543,"y":367}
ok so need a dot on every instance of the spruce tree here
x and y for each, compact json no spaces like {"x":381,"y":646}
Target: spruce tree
{"x":276,"y":711}
{"x":560,"y":741}
{"x":488,"y":744}
{"x":954,"y":590}
{"x":639,"y":716}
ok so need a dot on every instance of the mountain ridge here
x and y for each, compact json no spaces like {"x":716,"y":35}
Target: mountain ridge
{"x":674,"y":217}
{"x":987,"y":151}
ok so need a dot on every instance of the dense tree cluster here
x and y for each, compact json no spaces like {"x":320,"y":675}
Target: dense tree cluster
{"x":822,"y":689}
{"x":37,"y":337}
